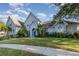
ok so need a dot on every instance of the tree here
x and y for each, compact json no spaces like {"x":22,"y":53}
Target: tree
{"x":22,"y":32}
{"x":8,"y":28}
{"x":68,"y":10}
{"x":41,"y":30}
{"x":2,"y":26}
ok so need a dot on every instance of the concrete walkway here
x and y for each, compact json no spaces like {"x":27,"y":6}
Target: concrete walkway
{"x":40,"y":50}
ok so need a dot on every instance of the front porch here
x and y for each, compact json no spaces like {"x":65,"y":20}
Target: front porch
{"x":32,"y":32}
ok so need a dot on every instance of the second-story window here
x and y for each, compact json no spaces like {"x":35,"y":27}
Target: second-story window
{"x":59,"y":27}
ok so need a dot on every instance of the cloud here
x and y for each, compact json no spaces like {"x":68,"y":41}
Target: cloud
{"x":17,"y":8}
{"x":41,"y":16}
{"x":3,"y":17}
{"x":20,"y":18}
{"x":21,"y":11}
{"x":51,"y":15}
{"x":29,"y":9}
{"x":62,"y":4}
{"x":15,"y":5}
{"x":50,"y":5}
{"x":18,"y":5}
{"x":9,"y":12}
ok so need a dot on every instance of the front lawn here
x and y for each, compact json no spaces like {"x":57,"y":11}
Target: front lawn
{"x":63,"y":43}
{"x":14,"y":52}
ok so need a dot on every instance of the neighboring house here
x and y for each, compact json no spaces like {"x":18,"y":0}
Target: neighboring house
{"x":14,"y":25}
{"x":32,"y":22}
{"x":61,"y":27}
{"x":31,"y":25}
{"x":2,"y":33}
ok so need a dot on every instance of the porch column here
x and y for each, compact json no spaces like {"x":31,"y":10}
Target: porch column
{"x":36,"y":32}
{"x":31,"y":33}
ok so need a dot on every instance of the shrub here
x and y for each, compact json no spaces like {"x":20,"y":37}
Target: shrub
{"x":12,"y":36}
{"x":4,"y":37}
{"x":22,"y":32}
{"x":68,"y":35}
{"x":7,"y":37}
{"x":60,"y":35}
{"x":76,"y":34}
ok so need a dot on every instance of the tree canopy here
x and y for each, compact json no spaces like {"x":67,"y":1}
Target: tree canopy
{"x":2,"y":26}
{"x":22,"y":32}
{"x":68,"y":10}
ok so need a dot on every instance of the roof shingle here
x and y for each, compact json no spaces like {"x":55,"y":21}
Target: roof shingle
{"x":15,"y":21}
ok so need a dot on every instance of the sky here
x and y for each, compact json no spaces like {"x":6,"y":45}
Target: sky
{"x":43,"y":11}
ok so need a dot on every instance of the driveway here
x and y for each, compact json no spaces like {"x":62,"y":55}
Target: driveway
{"x":40,"y":50}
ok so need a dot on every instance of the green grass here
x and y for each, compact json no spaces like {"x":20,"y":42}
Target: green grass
{"x":14,"y":52}
{"x":63,"y":43}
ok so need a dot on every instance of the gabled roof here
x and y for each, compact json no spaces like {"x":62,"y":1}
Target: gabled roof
{"x":51,"y":23}
{"x":73,"y":22}
{"x":48,"y":24}
{"x":22,"y":23}
{"x":32,"y":15}
{"x":15,"y":20}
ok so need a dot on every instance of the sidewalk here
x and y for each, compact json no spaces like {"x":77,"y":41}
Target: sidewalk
{"x":40,"y":50}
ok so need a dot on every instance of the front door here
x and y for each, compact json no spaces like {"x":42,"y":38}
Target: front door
{"x":34,"y":32}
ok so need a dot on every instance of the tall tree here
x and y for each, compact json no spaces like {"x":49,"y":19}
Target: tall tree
{"x":2,"y":26}
{"x":68,"y":10}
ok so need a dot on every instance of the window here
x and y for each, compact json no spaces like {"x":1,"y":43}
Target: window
{"x":59,"y":27}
